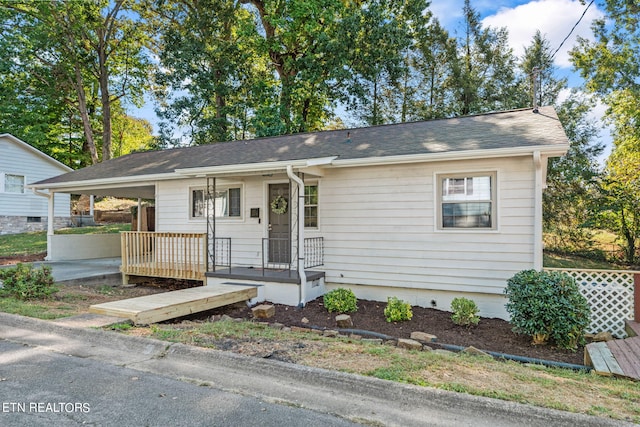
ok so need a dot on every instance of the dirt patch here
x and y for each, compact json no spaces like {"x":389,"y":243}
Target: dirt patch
{"x":490,"y":334}
{"x":15,"y":259}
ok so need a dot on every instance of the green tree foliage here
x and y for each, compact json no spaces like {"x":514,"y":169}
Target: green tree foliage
{"x":537,"y":62}
{"x":484,"y":72}
{"x":572,"y":180}
{"x":212,"y":82}
{"x":610,"y":66}
{"x":84,"y":55}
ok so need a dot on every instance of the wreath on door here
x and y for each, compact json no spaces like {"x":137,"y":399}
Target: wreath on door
{"x":279,"y":205}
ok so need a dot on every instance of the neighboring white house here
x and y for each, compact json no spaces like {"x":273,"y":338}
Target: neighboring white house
{"x":425,"y":211}
{"x":20,"y":209}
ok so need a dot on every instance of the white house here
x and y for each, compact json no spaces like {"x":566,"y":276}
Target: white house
{"x":425,"y":211}
{"x":20,"y":209}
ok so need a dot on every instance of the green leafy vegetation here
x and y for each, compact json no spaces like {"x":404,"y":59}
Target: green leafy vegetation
{"x":26,"y":282}
{"x":397,"y":310}
{"x":340,"y":300}
{"x":547,"y":306}
{"x":465,"y":312}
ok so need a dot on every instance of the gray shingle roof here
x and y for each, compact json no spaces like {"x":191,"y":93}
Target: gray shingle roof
{"x":519,"y":128}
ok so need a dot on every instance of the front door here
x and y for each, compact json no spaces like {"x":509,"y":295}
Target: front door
{"x":279,"y":227}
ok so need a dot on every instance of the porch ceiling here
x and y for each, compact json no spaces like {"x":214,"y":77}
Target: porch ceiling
{"x":140,"y":191}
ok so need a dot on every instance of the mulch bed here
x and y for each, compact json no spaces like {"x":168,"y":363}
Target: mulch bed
{"x":490,"y":334}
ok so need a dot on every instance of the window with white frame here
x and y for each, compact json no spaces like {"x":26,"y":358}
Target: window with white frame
{"x":311,"y":206}
{"x":467,"y":201}
{"x":13,"y":183}
{"x":227,"y":203}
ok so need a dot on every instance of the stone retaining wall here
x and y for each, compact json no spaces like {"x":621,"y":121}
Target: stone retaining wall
{"x":23,"y":224}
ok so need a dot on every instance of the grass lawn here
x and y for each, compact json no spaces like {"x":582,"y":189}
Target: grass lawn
{"x":35,"y":243}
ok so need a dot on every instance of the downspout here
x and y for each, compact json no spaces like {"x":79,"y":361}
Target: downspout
{"x":537,"y":212}
{"x":50,"y":213}
{"x":301,"y":272}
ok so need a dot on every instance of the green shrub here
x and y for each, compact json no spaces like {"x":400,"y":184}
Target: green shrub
{"x":547,"y":306}
{"x":397,"y":310}
{"x":340,"y":300}
{"x":25,"y":282}
{"x":465,"y":312}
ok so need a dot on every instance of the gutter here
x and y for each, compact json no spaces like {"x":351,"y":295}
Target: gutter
{"x":301,"y":272}
{"x":537,"y":210}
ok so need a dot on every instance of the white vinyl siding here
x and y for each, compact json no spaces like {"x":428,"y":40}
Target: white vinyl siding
{"x":16,"y":160}
{"x":379,"y":228}
{"x":379,"y":225}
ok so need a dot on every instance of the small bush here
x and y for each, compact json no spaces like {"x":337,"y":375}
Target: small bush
{"x":340,"y":300}
{"x":25,"y":282}
{"x":547,"y":306}
{"x":465,"y":312}
{"x":397,"y":310}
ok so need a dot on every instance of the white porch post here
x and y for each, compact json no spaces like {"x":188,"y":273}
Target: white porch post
{"x":51,"y":205}
{"x":301,"y":272}
{"x":91,"y":202}
{"x":139,"y":213}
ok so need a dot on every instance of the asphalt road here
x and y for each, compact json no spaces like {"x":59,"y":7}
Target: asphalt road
{"x":55,"y":375}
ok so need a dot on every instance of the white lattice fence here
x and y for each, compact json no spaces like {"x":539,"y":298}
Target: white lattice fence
{"x":610,"y":296}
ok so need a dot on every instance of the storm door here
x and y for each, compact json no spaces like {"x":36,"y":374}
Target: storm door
{"x":279,"y":224}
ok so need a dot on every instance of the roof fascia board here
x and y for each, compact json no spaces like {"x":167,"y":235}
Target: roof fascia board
{"x":547,"y":151}
{"x":132,"y":181}
{"x":254,"y":168}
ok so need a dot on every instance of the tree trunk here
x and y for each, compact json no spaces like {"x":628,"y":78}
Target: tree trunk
{"x":105,"y":97}
{"x":84,"y":114}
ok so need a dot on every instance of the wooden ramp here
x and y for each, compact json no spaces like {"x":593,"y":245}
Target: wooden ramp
{"x":618,"y":357}
{"x":169,"y":305}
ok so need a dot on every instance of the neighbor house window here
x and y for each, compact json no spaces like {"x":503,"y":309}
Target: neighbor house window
{"x":13,"y":183}
{"x":311,"y":206}
{"x":227,"y":203}
{"x":467,"y":201}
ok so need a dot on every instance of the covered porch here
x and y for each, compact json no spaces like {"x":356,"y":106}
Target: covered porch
{"x":244,"y":223}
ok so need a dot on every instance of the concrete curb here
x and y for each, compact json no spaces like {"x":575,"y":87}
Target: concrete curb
{"x":350,"y":396}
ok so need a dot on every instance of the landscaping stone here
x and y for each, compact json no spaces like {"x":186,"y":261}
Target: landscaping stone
{"x":225,"y":317}
{"x":344,"y":321}
{"x":602,"y":336}
{"x":355,"y":337}
{"x":330,"y":333}
{"x":304,"y":320}
{"x":276,"y":325}
{"x":299,"y":329}
{"x":423,"y":336}
{"x":263,"y":311}
{"x":372,"y":340}
{"x":409,"y":344}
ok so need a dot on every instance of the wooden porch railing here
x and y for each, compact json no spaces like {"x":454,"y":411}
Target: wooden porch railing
{"x":170,"y":255}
